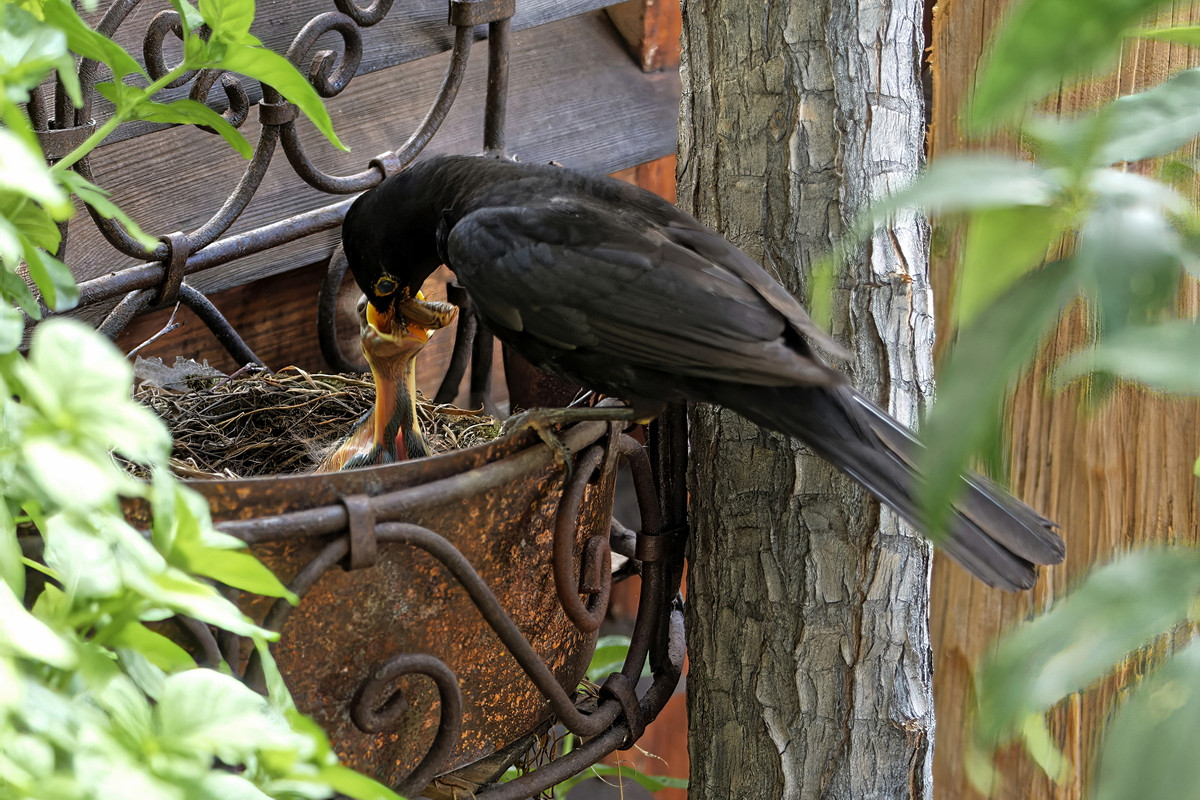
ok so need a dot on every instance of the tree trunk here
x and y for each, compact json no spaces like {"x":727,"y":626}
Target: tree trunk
{"x":807,"y":615}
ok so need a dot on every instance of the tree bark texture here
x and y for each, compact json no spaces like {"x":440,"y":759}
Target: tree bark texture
{"x":807,"y":615}
{"x":1116,"y":479}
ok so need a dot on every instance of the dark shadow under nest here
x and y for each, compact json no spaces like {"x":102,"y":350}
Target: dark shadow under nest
{"x":261,"y":423}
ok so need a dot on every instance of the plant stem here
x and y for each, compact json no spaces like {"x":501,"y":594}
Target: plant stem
{"x":121,"y":115}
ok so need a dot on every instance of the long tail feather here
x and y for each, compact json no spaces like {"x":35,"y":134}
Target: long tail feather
{"x":992,"y":534}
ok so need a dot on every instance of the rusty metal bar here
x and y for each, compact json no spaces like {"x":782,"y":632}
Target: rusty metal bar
{"x":586,"y":616}
{"x":226,"y":334}
{"x":497,"y":86}
{"x":327,"y":308}
{"x":146,"y":276}
{"x":433,"y":120}
{"x":483,"y":349}
{"x":393,"y":505}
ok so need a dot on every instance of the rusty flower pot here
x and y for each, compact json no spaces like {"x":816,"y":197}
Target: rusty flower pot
{"x":443,"y":600}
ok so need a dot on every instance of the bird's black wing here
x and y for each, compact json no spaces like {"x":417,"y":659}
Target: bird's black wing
{"x":582,"y":280}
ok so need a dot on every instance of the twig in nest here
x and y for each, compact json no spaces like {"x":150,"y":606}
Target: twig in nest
{"x":170,"y":326}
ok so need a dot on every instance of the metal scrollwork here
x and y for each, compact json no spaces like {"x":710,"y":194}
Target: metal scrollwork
{"x":239,"y":102}
{"x":329,"y":71}
{"x":378,"y":706}
{"x":364,"y":17}
{"x":328,"y":74}
{"x":164,"y":22}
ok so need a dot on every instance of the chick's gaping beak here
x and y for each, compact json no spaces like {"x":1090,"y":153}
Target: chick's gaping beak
{"x":406,"y":320}
{"x":391,"y":339}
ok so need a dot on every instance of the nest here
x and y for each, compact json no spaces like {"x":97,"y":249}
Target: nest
{"x":263,"y":423}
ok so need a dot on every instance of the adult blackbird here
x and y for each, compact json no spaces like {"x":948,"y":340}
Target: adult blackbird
{"x":613,"y":288}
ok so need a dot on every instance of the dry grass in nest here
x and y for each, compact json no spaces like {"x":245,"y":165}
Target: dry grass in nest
{"x":263,"y":423}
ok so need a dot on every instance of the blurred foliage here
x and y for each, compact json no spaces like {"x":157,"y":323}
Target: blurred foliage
{"x":1132,"y":242}
{"x":95,"y":703}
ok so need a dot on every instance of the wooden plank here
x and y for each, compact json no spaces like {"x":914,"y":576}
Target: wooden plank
{"x":411,"y":31}
{"x":651,"y":30}
{"x":1116,"y":479}
{"x":604,"y":117}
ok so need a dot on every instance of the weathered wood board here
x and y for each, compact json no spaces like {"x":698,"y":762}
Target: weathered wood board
{"x":1117,"y":479}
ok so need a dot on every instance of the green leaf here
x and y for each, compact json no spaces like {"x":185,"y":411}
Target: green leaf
{"x":33,"y":222}
{"x":1148,"y":750}
{"x":191,"y":112}
{"x":29,"y":50}
{"x":1119,"y":607}
{"x":1002,"y":244}
{"x":1044,"y":43}
{"x":958,"y":183}
{"x":1129,"y":252}
{"x":24,"y":172}
{"x":202,"y":711}
{"x":354,"y":784}
{"x":12,"y":327}
{"x":122,"y":95}
{"x":12,"y":571}
{"x":52,"y":277}
{"x":989,"y":354}
{"x":82,"y":368}
{"x":98,"y":200}
{"x":128,"y":709}
{"x":1070,"y":143}
{"x":156,"y":648}
{"x":652,"y":783}
{"x":239,"y":570}
{"x":87,"y":43}
{"x":1182,"y":34}
{"x":14,"y":289}
{"x":1148,"y":124}
{"x":69,"y":477}
{"x":226,"y":786}
{"x":1155,"y":122}
{"x":229,"y":19}
{"x":279,"y":73}
{"x":280,"y":697}
{"x":22,"y":634}
{"x":11,"y":251}
{"x":88,"y":567}
{"x":1040,"y":745}
{"x":183,"y":594}
{"x":188,"y":13}
{"x":608,"y":657}
{"x":147,"y":676}
{"x":1161,"y":356}
{"x":132,"y":430}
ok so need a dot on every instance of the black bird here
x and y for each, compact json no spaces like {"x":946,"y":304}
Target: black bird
{"x":614,"y":288}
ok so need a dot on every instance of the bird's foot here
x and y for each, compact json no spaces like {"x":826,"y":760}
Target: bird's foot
{"x":544,"y":421}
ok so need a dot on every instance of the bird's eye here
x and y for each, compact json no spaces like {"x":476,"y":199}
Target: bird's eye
{"x":385,"y":286}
